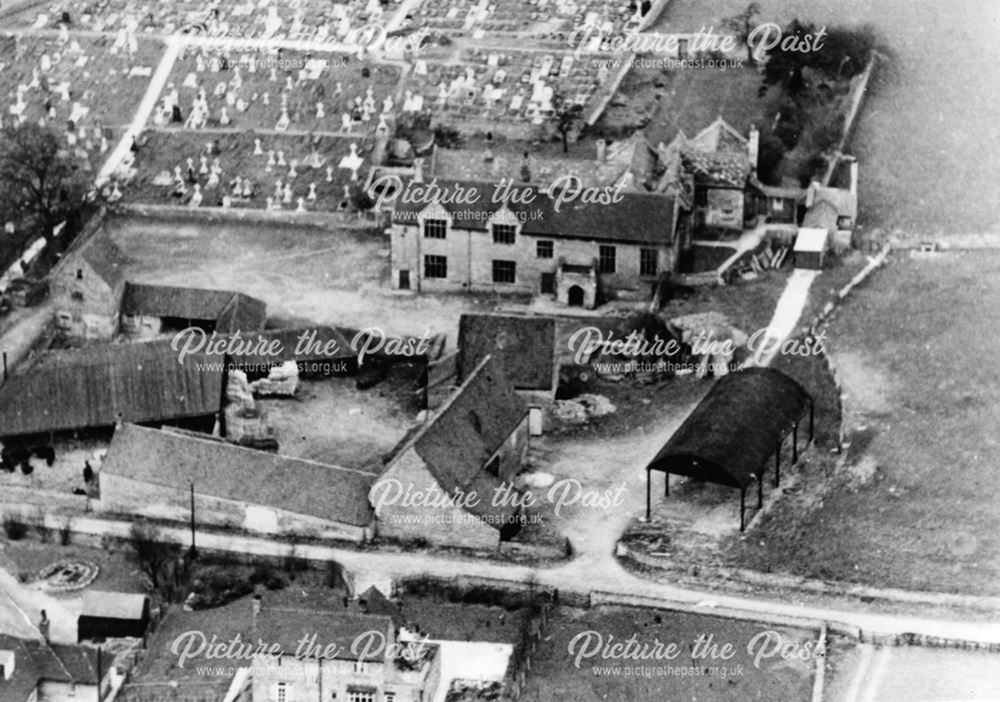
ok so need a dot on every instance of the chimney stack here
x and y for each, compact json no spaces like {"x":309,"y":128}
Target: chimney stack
{"x":753,"y":148}
{"x":854,"y":177}
{"x":418,"y":170}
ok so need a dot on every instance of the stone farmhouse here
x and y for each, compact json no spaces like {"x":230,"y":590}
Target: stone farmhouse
{"x":573,"y":250}
{"x":153,"y":473}
{"x":469,"y":449}
{"x":334,"y":665}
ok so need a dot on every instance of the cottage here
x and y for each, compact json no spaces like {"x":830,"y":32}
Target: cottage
{"x":107,"y":615}
{"x":480,"y":244}
{"x":87,"y":287}
{"x":38,"y":671}
{"x":154,"y":473}
{"x":469,"y":450}
{"x":100,"y":386}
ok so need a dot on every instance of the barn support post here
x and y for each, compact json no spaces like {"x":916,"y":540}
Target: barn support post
{"x":666,"y":483}
{"x":649,"y":477}
{"x":795,"y":443}
{"x":743,"y":494}
{"x":760,"y":490}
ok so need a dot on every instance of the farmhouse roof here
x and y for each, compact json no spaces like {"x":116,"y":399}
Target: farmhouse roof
{"x":113,"y":605}
{"x":467,"y":431}
{"x":100,"y":385}
{"x":230,"y":310}
{"x":36,"y":661}
{"x":822,"y":215}
{"x":646,"y":218}
{"x":287,"y":627}
{"x":734,"y":430}
{"x":223,"y":470}
{"x":106,"y":259}
{"x":526,"y":346}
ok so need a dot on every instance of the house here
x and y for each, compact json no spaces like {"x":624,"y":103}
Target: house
{"x":87,"y":287}
{"x":107,"y":615}
{"x":474,"y":243}
{"x":38,"y":671}
{"x":150,"y":310}
{"x":469,"y":450}
{"x":101,"y":386}
{"x":525,"y":346}
{"x":154,"y":473}
{"x":347,"y":657}
{"x":810,"y":248}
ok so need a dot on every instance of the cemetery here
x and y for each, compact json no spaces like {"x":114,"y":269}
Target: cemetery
{"x":279,"y":91}
{"x":241,"y":170}
{"x":88,"y":86}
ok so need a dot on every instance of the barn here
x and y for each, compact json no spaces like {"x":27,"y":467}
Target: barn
{"x":110,"y":615}
{"x":810,"y":249}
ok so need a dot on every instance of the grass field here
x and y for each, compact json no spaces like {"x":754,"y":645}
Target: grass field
{"x":914,"y":504}
{"x":555,"y":674}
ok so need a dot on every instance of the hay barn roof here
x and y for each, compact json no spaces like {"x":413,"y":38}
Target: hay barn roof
{"x":229,"y":310}
{"x":734,"y":430}
{"x":525,"y":346}
{"x":98,"y":385}
{"x":223,"y":470}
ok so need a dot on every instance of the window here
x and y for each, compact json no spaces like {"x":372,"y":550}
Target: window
{"x":389,"y":696}
{"x":435,"y":266}
{"x":435,"y":228}
{"x":280,"y":692}
{"x":504,"y":233}
{"x":606,"y":260}
{"x":504,"y":271}
{"x":79,"y":274}
{"x":77,"y":295}
{"x":648,"y":261}
{"x":360,"y":696}
{"x":544,"y":249}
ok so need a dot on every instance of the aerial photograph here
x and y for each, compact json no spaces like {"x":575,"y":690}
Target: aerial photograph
{"x":499,"y":351}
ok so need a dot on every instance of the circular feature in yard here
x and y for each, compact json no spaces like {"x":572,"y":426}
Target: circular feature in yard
{"x":64,"y":576}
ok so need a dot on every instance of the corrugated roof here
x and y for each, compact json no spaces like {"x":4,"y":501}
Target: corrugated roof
{"x":98,"y":385}
{"x":229,"y":310}
{"x":811,"y":240}
{"x":465,"y":433}
{"x":113,"y":605}
{"x":646,"y":218}
{"x":734,"y":430}
{"x":231,"y":472}
{"x":526,"y":346}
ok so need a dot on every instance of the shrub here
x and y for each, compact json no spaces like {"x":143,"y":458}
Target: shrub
{"x":267,"y":575}
{"x":216,"y":586}
{"x":14,"y":527}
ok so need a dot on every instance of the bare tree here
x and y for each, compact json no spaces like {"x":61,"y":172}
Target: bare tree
{"x":42,"y":183}
{"x":565,"y":114}
{"x":154,"y":553}
{"x":743,"y":24}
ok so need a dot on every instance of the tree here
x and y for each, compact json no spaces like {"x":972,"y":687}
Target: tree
{"x":42,"y":183}
{"x":565,"y":113}
{"x":742,"y":24}
{"x":153,"y":553}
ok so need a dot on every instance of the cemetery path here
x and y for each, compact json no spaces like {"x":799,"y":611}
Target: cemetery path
{"x":146,"y":107}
